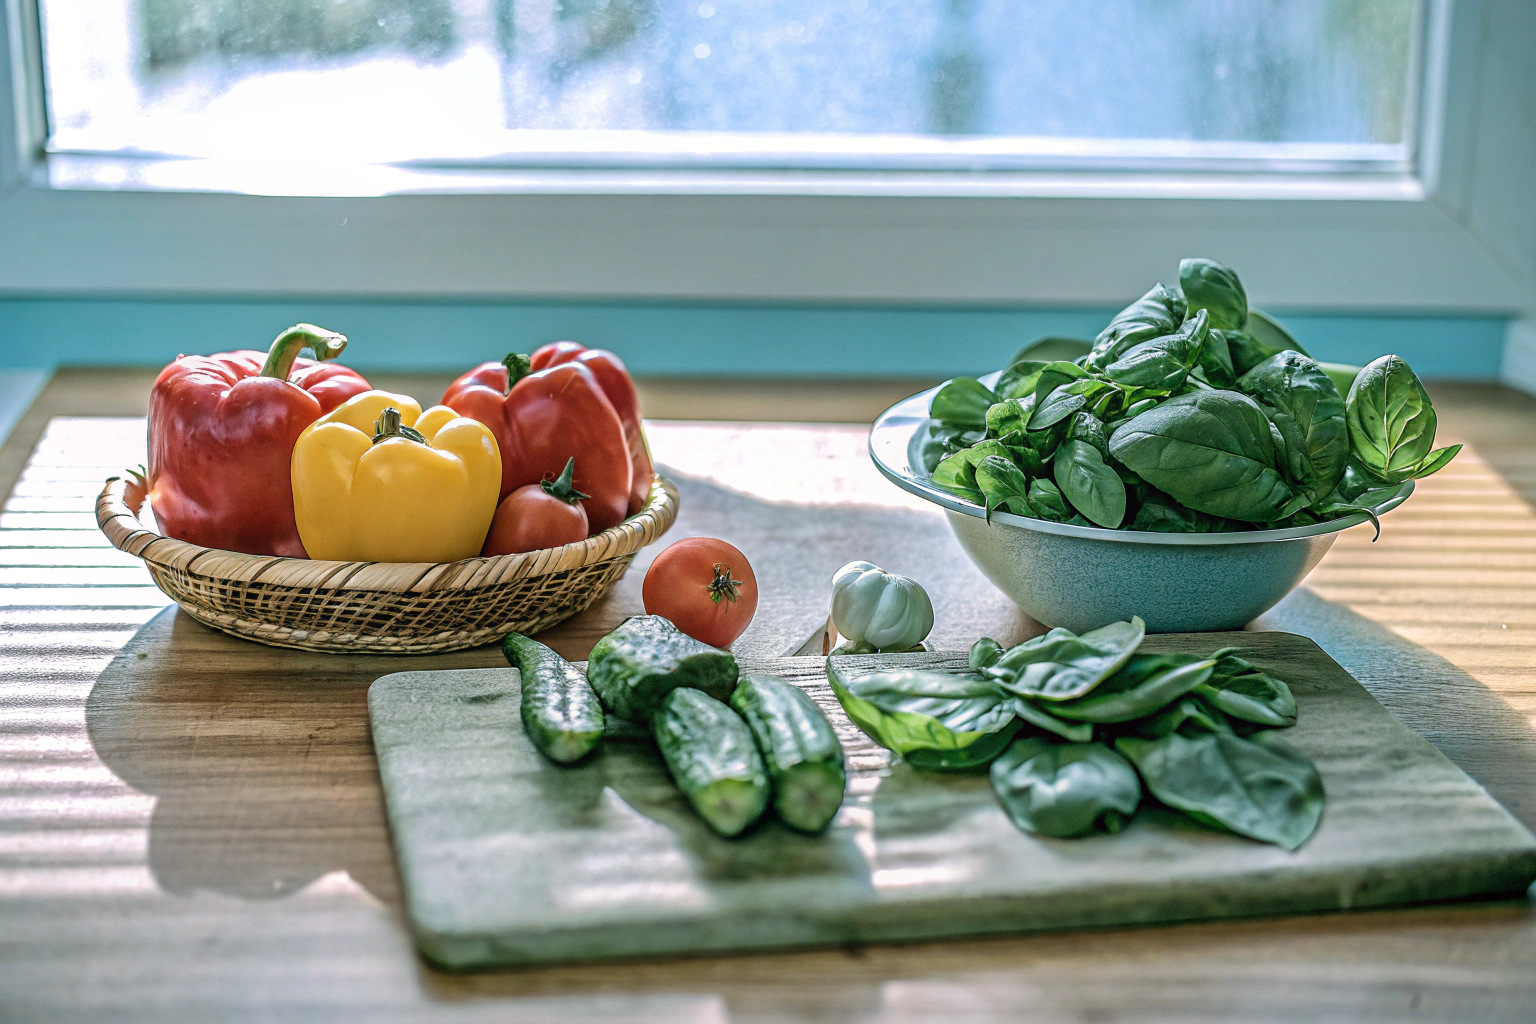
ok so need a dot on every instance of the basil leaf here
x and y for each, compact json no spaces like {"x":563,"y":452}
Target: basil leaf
{"x":1209,"y":286}
{"x":1036,"y":715}
{"x":985,"y":652}
{"x":1162,"y":364}
{"x":963,"y":402}
{"x":1065,"y":789}
{"x":1061,"y":665}
{"x":1244,"y":691}
{"x":1305,"y":407}
{"x":1211,"y":451}
{"x":1156,"y":313}
{"x":1157,"y":516}
{"x":1214,"y":362}
{"x":1261,"y":787}
{"x":915,"y":710}
{"x":1089,"y":428}
{"x":1054,"y":375}
{"x":1089,"y":484}
{"x":957,"y":473}
{"x":1048,"y":502}
{"x":1064,"y":401}
{"x":1147,"y":684}
{"x":1392,"y":422}
{"x":931,"y":444}
{"x":1003,"y":484}
{"x":1266,"y":331}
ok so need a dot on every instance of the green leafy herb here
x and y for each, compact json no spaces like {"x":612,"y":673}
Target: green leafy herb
{"x":1156,"y":313}
{"x":1212,"y":451}
{"x":1065,"y":789}
{"x":1162,"y":364}
{"x":1307,"y":410}
{"x":963,"y":402}
{"x":1392,"y":423}
{"x":1062,"y":665}
{"x":1003,"y":485}
{"x":1261,"y":787}
{"x":1048,"y":501}
{"x":1089,"y":484}
{"x":1207,"y":285}
{"x":984,"y":653}
{"x":1247,"y":692}
{"x":922,"y":710}
{"x":1146,"y":684}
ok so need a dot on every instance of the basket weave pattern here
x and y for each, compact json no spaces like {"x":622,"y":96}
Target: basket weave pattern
{"x":384,"y":607}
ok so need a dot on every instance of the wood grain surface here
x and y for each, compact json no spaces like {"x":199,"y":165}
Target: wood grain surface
{"x":215,"y":847}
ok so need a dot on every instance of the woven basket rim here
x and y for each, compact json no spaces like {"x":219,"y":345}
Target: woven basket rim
{"x":127,"y":533}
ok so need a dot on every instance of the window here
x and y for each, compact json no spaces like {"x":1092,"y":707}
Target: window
{"x":955,"y":85}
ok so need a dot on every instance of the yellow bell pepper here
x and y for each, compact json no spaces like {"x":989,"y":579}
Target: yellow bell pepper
{"x":378,"y":480}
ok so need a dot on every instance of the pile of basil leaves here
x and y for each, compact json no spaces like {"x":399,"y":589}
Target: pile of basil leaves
{"x":1191,"y":414}
{"x":1076,"y":728}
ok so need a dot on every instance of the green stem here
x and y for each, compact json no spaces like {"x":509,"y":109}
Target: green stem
{"x":389,"y":426}
{"x":518,"y":366}
{"x":561,"y":488}
{"x":323,"y":343}
{"x":722,"y":587}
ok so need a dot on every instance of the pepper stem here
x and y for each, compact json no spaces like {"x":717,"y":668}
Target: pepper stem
{"x":323,"y":343}
{"x":560,"y":487}
{"x":389,"y":425}
{"x":723,"y":587}
{"x":518,"y":366}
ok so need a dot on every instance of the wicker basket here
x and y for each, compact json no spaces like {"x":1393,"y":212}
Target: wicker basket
{"x":384,"y":607}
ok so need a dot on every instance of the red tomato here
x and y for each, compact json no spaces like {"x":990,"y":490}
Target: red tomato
{"x":541,"y":515}
{"x":705,"y":587}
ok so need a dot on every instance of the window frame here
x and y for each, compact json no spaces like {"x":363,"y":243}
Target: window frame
{"x":1028,"y":237}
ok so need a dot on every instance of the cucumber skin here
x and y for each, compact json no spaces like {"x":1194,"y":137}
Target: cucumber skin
{"x":637,"y":665}
{"x":709,"y":750}
{"x":561,"y":713}
{"x":798,"y":746}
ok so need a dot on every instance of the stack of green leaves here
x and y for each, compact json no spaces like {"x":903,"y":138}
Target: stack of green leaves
{"x":1191,"y":413}
{"x":1076,"y":728}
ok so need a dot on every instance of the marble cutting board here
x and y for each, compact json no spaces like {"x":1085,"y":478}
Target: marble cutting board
{"x":508,"y":859}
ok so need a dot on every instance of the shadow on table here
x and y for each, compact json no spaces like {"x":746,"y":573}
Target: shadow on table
{"x":260,"y":758}
{"x":1469,"y":723}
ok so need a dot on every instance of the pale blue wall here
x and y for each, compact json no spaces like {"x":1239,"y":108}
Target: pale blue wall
{"x":670,"y":339}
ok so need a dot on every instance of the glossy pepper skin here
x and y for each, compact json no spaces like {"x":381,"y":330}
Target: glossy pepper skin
{"x":619,"y":386}
{"x":378,"y":480}
{"x":221,"y":435}
{"x":545,"y":419}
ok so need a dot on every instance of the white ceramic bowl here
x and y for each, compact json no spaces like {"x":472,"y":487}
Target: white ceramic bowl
{"x":1083,"y":577}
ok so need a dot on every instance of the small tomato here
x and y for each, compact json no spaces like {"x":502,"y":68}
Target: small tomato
{"x":542,"y":515}
{"x":705,"y":587}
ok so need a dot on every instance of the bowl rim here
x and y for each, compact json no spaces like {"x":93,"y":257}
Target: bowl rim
{"x":891,"y":436}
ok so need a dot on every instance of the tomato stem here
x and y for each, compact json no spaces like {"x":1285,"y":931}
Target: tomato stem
{"x":561,"y":487}
{"x":518,"y":366}
{"x":723,"y":587}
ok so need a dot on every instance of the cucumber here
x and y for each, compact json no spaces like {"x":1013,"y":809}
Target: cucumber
{"x":646,"y":658}
{"x":561,"y":714}
{"x":801,"y":751}
{"x":712,"y":758}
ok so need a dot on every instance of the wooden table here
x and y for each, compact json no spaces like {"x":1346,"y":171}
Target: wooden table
{"x":191,"y":826}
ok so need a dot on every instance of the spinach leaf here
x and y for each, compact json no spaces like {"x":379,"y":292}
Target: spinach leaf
{"x":1216,"y":289}
{"x":911,"y":710}
{"x":977,"y":755}
{"x":932,"y":444}
{"x":1308,"y":412}
{"x":1054,"y":375}
{"x":1211,"y":451}
{"x":985,"y":652}
{"x":1146,"y":684}
{"x":1065,"y":400}
{"x":1215,"y":360}
{"x":1089,"y":484}
{"x":1036,"y":715}
{"x":963,"y":402}
{"x":1006,"y":417}
{"x":1065,"y":789}
{"x":1156,"y":313}
{"x":1261,"y":787}
{"x":1089,"y":428}
{"x":1048,"y":502}
{"x":1392,"y":423}
{"x":1162,"y":364}
{"x":1061,"y":665}
{"x":1003,"y":484}
{"x":1188,"y":715}
{"x":1019,"y":378}
{"x":957,"y":473}
{"x":1244,"y":691}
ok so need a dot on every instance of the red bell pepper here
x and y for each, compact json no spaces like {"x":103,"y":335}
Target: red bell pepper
{"x":541,"y":421}
{"x":221,"y":435}
{"x":619,"y":386}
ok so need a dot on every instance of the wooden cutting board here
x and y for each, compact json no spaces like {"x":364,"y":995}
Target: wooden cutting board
{"x":508,"y":859}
